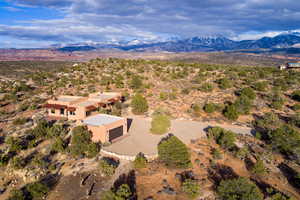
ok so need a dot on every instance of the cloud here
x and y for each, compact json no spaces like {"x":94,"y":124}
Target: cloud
{"x":97,"y":20}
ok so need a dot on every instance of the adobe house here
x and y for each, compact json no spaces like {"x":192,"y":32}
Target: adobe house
{"x":78,"y":108}
{"x":106,"y":128}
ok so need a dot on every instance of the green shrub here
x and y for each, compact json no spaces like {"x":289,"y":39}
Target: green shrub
{"x":259,"y":168}
{"x":231,"y":112}
{"x":17,"y":162}
{"x":243,"y":104}
{"x":140,"y":161}
{"x":296,"y":107}
{"x":261,"y":86}
{"x":174,"y":153}
{"x":59,"y":145}
{"x":206,"y":87}
{"x":238,"y":189}
{"x":242,"y":153}
{"x":248,"y":92}
{"x":37,"y":190}
{"x":107,"y":166}
{"x":19,"y":121}
{"x":191,"y":188}
{"x":15,"y":144}
{"x":163,"y":96}
{"x":224,"y":83}
{"x":136,"y":82}
{"x":216,"y":154}
{"x":222,"y":137}
{"x":209,"y":107}
{"x":139,"y":104}
{"x":296,"y":95}
{"x":81,"y":143}
{"x":160,"y":124}
{"x":122,"y":193}
{"x":16,"y":195}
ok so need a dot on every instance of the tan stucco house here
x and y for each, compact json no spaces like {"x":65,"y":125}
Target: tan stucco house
{"x":106,"y":128}
{"x":78,"y":108}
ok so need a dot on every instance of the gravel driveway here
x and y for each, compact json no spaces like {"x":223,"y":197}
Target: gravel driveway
{"x":141,"y":140}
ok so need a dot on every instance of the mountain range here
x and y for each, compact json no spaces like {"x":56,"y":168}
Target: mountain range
{"x":194,"y":44}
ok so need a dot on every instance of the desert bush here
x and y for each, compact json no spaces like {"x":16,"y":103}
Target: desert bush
{"x":16,"y":194}
{"x":17,"y":162}
{"x":37,"y":190}
{"x":140,"y":161}
{"x":59,"y":145}
{"x":243,"y":104}
{"x":191,"y":188}
{"x":261,"y":86}
{"x":174,"y":153}
{"x":160,"y":124}
{"x":122,"y":193}
{"x":139,"y":104}
{"x":248,"y":92}
{"x":108,"y":166}
{"x":19,"y":121}
{"x":296,"y":107}
{"x":163,"y":96}
{"x":259,"y":168}
{"x":209,"y":107}
{"x":136,"y":82}
{"x":224,"y":138}
{"x":15,"y":144}
{"x":242,"y":153}
{"x":287,"y":141}
{"x":238,"y":189}
{"x":81,"y":143}
{"x":216,"y":154}
{"x":231,"y":112}
{"x":206,"y":87}
{"x":224,"y":83}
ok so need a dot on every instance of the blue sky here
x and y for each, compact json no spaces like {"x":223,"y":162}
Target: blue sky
{"x":40,"y":23}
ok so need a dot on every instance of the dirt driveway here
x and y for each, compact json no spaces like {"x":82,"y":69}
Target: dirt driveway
{"x":141,"y":140}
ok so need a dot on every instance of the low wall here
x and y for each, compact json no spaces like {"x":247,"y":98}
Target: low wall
{"x":126,"y":157}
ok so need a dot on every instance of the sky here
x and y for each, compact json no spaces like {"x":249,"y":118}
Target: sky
{"x":41,"y":23}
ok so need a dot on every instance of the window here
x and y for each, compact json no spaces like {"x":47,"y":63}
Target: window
{"x":52,"y":111}
{"x":88,"y":113}
{"x":62,"y":111}
{"x":72,"y":113}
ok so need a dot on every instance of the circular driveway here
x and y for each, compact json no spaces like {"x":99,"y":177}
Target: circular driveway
{"x":141,"y":140}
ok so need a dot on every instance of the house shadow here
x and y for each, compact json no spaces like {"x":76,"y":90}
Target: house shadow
{"x":129,"y":122}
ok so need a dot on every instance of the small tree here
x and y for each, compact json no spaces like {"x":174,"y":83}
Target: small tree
{"x":140,"y":161}
{"x":160,"y":124}
{"x":174,"y":153}
{"x":139,"y":104}
{"x":224,"y":83}
{"x":191,"y":188}
{"x":238,"y":189}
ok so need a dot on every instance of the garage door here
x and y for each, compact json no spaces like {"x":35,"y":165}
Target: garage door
{"x":115,"y":133}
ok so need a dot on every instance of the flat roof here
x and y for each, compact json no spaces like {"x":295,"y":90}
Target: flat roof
{"x":86,"y":103}
{"x":101,"y":119}
{"x":68,"y":98}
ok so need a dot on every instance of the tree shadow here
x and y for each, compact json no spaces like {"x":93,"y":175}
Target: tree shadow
{"x":130,"y":180}
{"x":291,"y":175}
{"x":221,"y":172}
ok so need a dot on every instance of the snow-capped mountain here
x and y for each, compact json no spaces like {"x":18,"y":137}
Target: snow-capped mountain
{"x":199,"y":43}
